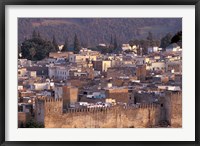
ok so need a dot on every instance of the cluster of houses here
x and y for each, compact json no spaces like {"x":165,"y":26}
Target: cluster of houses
{"x":91,"y":79}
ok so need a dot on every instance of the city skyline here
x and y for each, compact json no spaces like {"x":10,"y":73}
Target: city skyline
{"x":121,"y":82}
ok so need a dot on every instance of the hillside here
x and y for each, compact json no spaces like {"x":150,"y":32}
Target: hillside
{"x":92,"y":31}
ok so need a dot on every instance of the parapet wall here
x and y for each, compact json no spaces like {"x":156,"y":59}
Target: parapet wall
{"x":144,"y":115}
{"x":115,"y":117}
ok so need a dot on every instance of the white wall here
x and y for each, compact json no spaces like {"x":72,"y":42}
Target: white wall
{"x":106,"y":65}
{"x":40,"y":86}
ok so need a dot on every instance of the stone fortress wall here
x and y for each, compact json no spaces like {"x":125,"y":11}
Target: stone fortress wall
{"x":142,"y":116}
{"x":173,"y":109}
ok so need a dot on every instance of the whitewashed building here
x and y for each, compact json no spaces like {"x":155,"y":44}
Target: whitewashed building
{"x":154,"y":49}
{"x":40,"y":86}
{"x":173,"y":47}
{"x":75,"y":58}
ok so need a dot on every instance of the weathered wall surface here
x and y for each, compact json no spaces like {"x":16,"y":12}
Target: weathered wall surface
{"x":70,"y":95}
{"x":23,"y":118}
{"x":172,"y":109}
{"x":120,"y":95}
{"x":39,"y":111}
{"x":146,"y":115}
{"x":118,"y":117}
{"x":176,"y":110}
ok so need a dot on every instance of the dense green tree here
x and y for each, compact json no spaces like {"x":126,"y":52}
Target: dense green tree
{"x":36,"y":49}
{"x":65,"y":47}
{"x":111,"y":45}
{"x":150,"y":39}
{"x":104,"y":49}
{"x":177,"y":37}
{"x":55,"y":44}
{"x":136,"y":42}
{"x":165,"y":41}
{"x":19,"y":48}
{"x":115,"y":44}
{"x":144,"y":44}
{"x":131,"y":43}
{"x":49,"y":46}
{"x":32,"y":52}
{"x":77,"y":46}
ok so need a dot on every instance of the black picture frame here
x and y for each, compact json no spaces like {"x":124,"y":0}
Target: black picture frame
{"x":4,"y":3}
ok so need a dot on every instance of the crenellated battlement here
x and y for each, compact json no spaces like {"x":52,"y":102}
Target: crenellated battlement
{"x":138,"y":115}
{"x":40,"y":97}
{"x":50,"y":100}
{"x":148,"y":105}
{"x":47,"y":100}
{"x":177,"y":94}
{"x":116,"y":116}
{"x":78,"y":110}
{"x":51,"y":106}
{"x":151,"y":106}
